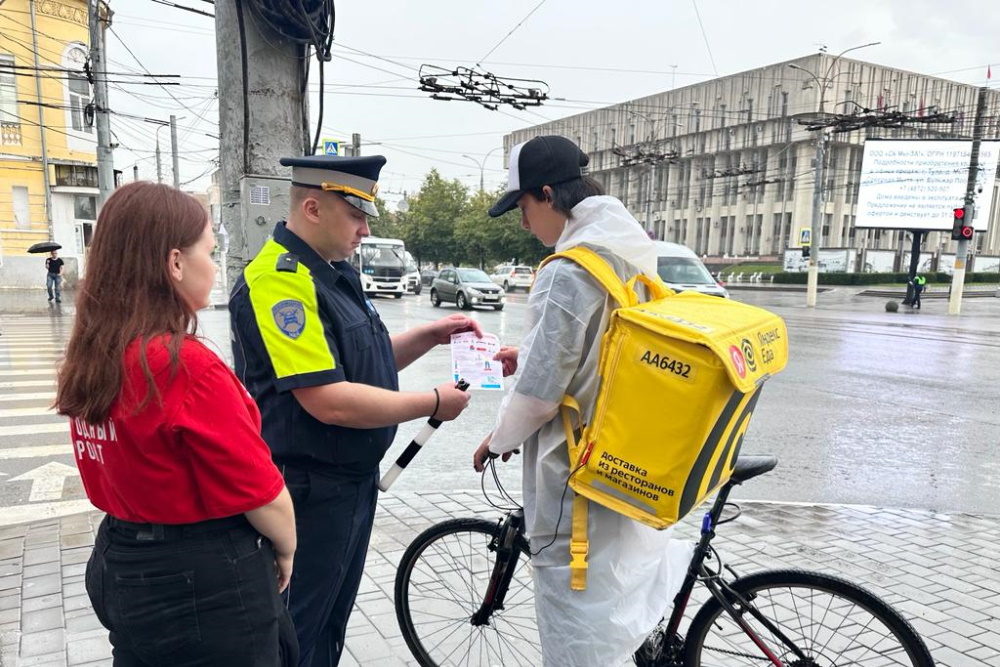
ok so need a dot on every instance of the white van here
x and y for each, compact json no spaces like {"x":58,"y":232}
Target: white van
{"x":682,"y":270}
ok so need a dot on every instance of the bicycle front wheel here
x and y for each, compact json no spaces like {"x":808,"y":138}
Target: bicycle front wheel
{"x":441,"y":583}
{"x":817,"y":621}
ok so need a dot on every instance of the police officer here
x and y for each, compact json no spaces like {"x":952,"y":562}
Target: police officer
{"x":919,"y":284}
{"x":321,"y":365}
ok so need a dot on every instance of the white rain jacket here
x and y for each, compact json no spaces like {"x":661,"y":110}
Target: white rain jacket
{"x":630,"y":584}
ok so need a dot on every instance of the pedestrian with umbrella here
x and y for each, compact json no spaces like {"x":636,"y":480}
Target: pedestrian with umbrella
{"x":53,"y":268}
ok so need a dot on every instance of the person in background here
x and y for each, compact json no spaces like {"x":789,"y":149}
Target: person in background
{"x":199,"y":535}
{"x":919,"y":282}
{"x":53,"y":276}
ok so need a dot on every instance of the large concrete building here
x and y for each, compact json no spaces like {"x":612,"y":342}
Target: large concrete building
{"x":48,"y":170}
{"x":725,"y":167}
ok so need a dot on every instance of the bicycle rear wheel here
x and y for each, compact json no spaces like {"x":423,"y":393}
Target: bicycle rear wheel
{"x":832,"y":622}
{"x":442,"y":581}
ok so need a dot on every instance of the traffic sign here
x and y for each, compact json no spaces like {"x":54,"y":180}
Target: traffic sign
{"x":805,"y":236}
{"x":331,"y":147}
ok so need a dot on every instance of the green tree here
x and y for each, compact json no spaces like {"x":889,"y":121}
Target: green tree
{"x":385,"y":225}
{"x":429,"y":229}
{"x":478,"y":237}
{"x":513,"y":243}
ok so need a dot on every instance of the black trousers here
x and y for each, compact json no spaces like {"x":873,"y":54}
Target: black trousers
{"x":191,"y":595}
{"x":333,"y":519}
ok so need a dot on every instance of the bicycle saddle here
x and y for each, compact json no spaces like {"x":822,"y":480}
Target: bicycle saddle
{"x":748,"y":467}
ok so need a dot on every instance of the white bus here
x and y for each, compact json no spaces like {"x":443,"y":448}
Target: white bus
{"x":382,"y":265}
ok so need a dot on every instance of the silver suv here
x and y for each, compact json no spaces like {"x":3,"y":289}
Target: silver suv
{"x":466,"y":288}
{"x":512,"y":276}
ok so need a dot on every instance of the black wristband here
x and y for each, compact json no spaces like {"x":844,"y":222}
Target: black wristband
{"x":437,"y":403}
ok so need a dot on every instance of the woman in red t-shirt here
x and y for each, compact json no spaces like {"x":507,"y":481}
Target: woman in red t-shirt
{"x":199,"y":534}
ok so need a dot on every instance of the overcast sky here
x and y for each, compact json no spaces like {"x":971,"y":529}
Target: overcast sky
{"x":572,"y":45}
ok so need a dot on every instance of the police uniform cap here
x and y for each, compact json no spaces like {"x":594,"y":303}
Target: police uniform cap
{"x":353,"y":178}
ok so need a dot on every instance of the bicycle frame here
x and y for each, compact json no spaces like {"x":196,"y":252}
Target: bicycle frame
{"x":720,"y":590}
{"x":503,"y":570}
{"x":512,"y":527}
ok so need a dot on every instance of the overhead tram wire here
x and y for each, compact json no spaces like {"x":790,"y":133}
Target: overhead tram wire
{"x":704,"y":35}
{"x":185,"y":8}
{"x":512,"y":30}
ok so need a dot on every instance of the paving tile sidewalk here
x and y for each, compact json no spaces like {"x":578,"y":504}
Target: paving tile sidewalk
{"x":938,"y":569}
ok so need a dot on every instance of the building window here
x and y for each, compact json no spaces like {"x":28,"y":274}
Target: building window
{"x":22,"y":211}
{"x":76,"y":176}
{"x":8,"y":92}
{"x":84,"y":207}
{"x":79,"y":98}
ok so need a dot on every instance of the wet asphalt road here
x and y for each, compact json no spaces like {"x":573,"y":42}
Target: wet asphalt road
{"x":891,"y":410}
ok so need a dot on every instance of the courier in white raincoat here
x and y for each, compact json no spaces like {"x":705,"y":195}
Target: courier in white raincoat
{"x":630,"y":581}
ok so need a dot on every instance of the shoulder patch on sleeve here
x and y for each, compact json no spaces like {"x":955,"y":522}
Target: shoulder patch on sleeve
{"x":287,"y":261}
{"x":290,"y":316}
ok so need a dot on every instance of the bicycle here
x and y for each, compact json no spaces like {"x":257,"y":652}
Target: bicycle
{"x":464,"y":597}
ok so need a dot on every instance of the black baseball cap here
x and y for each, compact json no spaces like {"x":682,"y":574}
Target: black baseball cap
{"x":545,"y":160}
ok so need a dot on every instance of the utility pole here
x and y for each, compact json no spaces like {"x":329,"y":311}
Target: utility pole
{"x":812,"y":281}
{"x":356,"y":144}
{"x":135,"y":173}
{"x":260,"y":76}
{"x":649,"y":196}
{"x":159,"y":162}
{"x":173,"y":149}
{"x":99,"y":72}
{"x":917,"y":236}
{"x":41,"y":127}
{"x":958,"y":278}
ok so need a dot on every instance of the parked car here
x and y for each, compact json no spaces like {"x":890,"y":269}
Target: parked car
{"x":682,"y":270}
{"x":413,"y":278}
{"x":427,"y":277}
{"x":466,"y":288}
{"x":512,"y":276}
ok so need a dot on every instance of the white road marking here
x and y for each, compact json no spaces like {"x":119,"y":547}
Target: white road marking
{"x":39,"y":371}
{"x":27,"y":412}
{"x":41,"y":451}
{"x":20,"y":384}
{"x":47,"y":480}
{"x":40,"y":396}
{"x":32,"y":429}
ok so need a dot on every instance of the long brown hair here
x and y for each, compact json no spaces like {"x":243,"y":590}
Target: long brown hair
{"x":128,"y":294}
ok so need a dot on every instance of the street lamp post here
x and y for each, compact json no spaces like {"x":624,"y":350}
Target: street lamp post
{"x":482,"y":165}
{"x":812,"y":281}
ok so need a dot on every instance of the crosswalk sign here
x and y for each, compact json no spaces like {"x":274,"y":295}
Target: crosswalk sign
{"x":805,"y":236}
{"x":331,"y":147}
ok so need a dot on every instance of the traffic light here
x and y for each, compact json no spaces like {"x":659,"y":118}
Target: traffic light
{"x":805,"y":252}
{"x":962,"y":229}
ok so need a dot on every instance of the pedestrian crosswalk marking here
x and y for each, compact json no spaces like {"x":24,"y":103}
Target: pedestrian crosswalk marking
{"x":32,"y":429}
{"x":41,"y":396}
{"x":27,"y":412}
{"x":6,"y":372}
{"x":42,"y":451}
{"x":33,"y":364}
{"x":20,"y":384}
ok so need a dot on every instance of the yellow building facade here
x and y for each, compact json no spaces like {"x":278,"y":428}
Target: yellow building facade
{"x":46,"y":123}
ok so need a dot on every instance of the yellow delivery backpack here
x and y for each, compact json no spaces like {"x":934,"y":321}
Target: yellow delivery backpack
{"x":680,"y":375}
